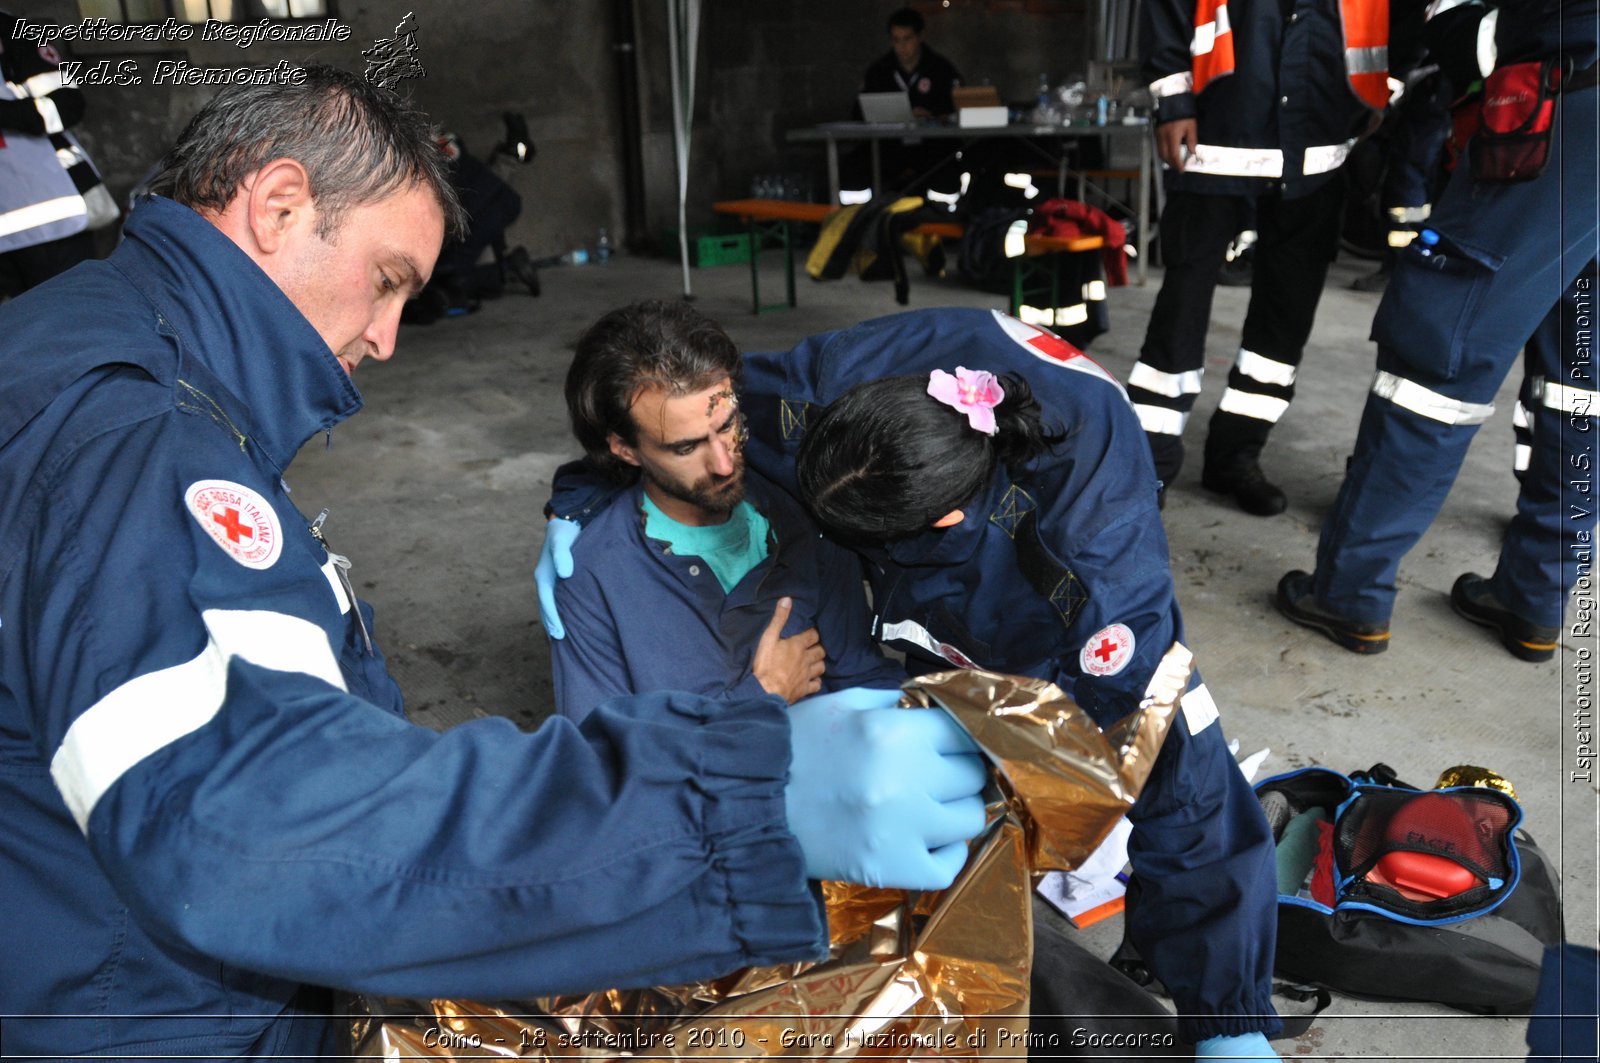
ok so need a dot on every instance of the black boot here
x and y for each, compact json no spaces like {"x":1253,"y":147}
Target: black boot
{"x":1473,"y":598}
{"x":1243,"y":479}
{"x":1233,"y":452}
{"x":519,"y":267}
{"x":1296,"y":602}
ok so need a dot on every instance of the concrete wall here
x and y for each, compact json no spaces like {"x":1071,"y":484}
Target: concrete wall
{"x":765,"y":66}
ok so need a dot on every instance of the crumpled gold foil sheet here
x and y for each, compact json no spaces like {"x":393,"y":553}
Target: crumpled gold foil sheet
{"x":1472,"y":775}
{"x":910,"y":975}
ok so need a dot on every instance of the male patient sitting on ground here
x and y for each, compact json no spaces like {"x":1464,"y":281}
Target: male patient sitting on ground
{"x":705,"y":577}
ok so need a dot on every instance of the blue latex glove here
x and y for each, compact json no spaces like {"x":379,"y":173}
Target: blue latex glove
{"x":1241,"y":1046}
{"x":880,"y":795}
{"x":555,"y":561}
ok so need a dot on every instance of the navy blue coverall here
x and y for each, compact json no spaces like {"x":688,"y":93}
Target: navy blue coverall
{"x":1515,"y":262}
{"x":1084,"y":516}
{"x":211,"y":798}
{"x":640,"y":617}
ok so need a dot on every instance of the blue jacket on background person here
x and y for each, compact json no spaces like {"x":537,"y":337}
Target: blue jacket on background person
{"x":642,"y":618}
{"x":1082,"y":522}
{"x":212,"y":798}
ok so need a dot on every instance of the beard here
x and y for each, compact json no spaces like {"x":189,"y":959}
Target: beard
{"x":714,"y":495}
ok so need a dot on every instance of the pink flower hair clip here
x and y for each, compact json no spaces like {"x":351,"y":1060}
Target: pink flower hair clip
{"x":973,"y":392}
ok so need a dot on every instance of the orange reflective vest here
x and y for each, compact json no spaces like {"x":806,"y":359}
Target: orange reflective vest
{"x":1366,"y":46}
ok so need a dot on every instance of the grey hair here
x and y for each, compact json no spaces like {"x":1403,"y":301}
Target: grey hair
{"x":358,"y":143}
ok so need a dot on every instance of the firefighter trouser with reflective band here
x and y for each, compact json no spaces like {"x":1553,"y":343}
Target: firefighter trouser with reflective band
{"x":1449,"y":329}
{"x":1297,"y":239}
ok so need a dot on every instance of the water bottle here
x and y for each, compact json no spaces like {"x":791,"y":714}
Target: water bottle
{"x":1044,"y":92}
{"x":1101,"y":105}
{"x":576,"y":257}
{"x":602,"y":246}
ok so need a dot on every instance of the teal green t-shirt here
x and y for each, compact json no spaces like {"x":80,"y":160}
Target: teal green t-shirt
{"x":731,"y":548}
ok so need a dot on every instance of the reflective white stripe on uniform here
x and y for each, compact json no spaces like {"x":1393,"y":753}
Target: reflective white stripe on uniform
{"x":1488,"y":50}
{"x":42,"y":84}
{"x":1575,"y":402}
{"x":1199,"y":709}
{"x":36,"y":214}
{"x":1095,"y":291}
{"x":1206,"y":34}
{"x":1407,"y":215}
{"x":1420,"y":400}
{"x":1173,"y":84}
{"x":151,"y":711}
{"x":1439,"y":7}
{"x":1373,"y":60}
{"x":1060,"y":316}
{"x":1521,"y":457}
{"x":1519,"y":416}
{"x":1401,"y":237}
{"x":1249,"y":404}
{"x":52,"y":117}
{"x":1160,"y":420}
{"x":1326,"y":157}
{"x":1146,"y":378}
{"x":1260,"y":367}
{"x":1235,"y":162}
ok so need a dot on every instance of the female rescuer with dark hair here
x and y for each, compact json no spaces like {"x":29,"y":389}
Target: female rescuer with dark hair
{"x":1001,"y":492}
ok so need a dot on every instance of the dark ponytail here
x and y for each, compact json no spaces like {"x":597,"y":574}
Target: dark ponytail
{"x":887,"y":459}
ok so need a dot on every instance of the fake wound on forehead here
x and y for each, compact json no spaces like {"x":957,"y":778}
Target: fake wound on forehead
{"x":717,"y":398}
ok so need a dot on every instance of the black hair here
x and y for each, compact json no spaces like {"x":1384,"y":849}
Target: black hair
{"x":905,"y":16}
{"x":656,"y":343}
{"x":887,"y":459}
{"x":358,"y":143}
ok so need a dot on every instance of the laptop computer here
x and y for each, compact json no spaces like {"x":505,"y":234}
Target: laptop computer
{"x":886,"y":108}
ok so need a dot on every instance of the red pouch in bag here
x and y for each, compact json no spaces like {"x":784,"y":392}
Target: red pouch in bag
{"x":1517,"y":117}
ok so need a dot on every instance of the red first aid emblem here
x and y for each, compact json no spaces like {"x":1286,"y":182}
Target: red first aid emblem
{"x":238,"y":519}
{"x":1108,"y":650}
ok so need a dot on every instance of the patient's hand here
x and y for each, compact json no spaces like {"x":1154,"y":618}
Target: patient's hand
{"x":790,"y":667}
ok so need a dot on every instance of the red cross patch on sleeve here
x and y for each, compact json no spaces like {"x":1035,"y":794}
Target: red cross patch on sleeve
{"x":238,"y":519}
{"x":1108,"y":650}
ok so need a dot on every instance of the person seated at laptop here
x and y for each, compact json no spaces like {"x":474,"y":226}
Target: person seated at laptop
{"x":709,"y":578}
{"x":910,"y":66}
{"x":929,"y":80}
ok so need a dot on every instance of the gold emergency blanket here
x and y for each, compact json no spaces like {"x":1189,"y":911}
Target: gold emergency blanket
{"x":910,"y":975}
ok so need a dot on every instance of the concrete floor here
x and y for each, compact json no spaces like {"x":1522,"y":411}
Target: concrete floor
{"x":436,"y":492}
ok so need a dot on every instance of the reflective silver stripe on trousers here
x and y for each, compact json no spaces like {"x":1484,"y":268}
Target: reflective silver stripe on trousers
{"x":1169,"y":384}
{"x":1575,"y":402}
{"x":1412,"y":396}
{"x":1406,"y":215}
{"x":1260,"y":367}
{"x":1076,"y":314}
{"x":49,"y":115}
{"x":1159,"y":420}
{"x":151,"y":711}
{"x":1249,"y":404}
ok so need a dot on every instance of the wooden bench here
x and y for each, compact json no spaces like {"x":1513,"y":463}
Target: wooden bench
{"x":770,"y":220}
